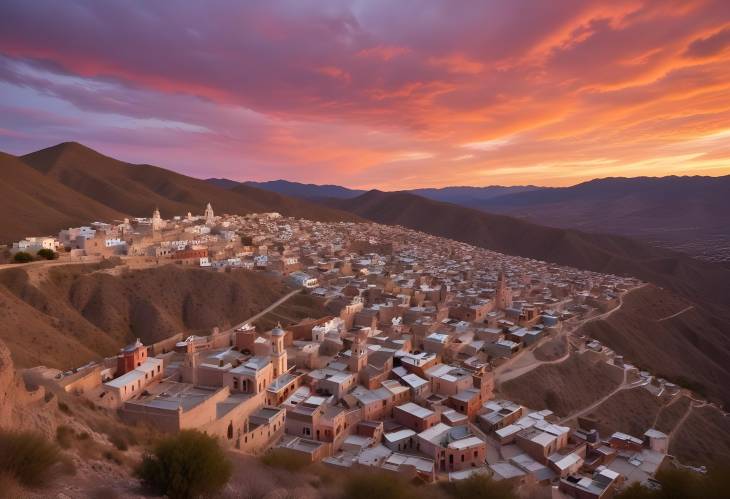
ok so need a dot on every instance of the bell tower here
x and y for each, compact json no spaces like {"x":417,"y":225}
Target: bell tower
{"x":278,"y":352}
{"x":359,"y":352}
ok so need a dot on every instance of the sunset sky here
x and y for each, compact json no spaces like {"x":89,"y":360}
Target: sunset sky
{"x":388,"y":94}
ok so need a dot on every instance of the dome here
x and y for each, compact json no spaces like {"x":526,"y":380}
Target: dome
{"x":277,"y":331}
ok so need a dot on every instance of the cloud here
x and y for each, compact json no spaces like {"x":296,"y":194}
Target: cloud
{"x":709,"y":46}
{"x":353,"y":92}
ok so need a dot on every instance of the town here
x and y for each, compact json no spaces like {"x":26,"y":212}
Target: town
{"x":402,"y":373}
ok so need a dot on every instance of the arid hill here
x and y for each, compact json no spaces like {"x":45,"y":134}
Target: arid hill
{"x":669,"y":336}
{"x":34,"y":204}
{"x":78,"y":312}
{"x":676,"y":212}
{"x":70,"y":184}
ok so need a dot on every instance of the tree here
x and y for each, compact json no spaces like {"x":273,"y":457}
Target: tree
{"x":186,"y":466}
{"x":22,"y":257}
{"x":48,"y":254}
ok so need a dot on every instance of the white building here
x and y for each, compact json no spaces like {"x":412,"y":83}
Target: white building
{"x":35,"y":244}
{"x":134,"y":382}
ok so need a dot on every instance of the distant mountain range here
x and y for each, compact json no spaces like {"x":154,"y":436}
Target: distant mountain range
{"x":70,"y":184}
{"x":689,"y":214}
{"x":460,"y":195}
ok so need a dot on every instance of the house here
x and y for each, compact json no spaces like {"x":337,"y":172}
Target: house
{"x":415,"y":417}
{"x":600,"y":486}
{"x":134,"y":382}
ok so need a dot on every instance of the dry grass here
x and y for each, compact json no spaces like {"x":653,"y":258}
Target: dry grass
{"x":703,"y":438}
{"x":564,"y":387}
{"x":628,"y":411}
{"x":670,"y":415}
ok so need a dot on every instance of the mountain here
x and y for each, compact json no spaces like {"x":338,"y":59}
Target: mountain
{"x":699,"y":280}
{"x":223,"y":183}
{"x":34,"y":204}
{"x":459,"y":195}
{"x":690,"y":214}
{"x":70,"y":184}
{"x":467,"y":196}
{"x":307,"y":191}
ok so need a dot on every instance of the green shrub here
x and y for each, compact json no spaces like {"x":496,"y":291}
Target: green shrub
{"x":22,"y":257}
{"x":188,"y":465}
{"x":27,"y":456}
{"x":47,"y":254}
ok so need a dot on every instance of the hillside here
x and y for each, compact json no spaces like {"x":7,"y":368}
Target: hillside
{"x":70,"y":184}
{"x":305,"y":191}
{"x":654,"y":326}
{"x":703,"y":282}
{"x":67,"y":315}
{"x":467,"y":196}
{"x":463,"y":195}
{"x":691,"y":214}
{"x":34,"y":204}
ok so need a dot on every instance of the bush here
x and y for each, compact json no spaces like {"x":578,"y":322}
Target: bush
{"x":479,"y":486}
{"x":47,"y":254}
{"x":22,"y":257}
{"x":676,"y":483}
{"x":187,"y":465}
{"x":374,"y":484}
{"x":64,"y":408}
{"x":27,"y":456}
{"x":64,"y":436}
{"x":285,"y":460}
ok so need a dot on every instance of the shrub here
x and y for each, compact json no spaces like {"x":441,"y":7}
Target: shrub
{"x":479,"y":486}
{"x":47,"y":254}
{"x":22,"y":257}
{"x":27,"y":456}
{"x":187,"y":465}
{"x":64,"y":436}
{"x":373,"y":484}
{"x":285,"y":460}
{"x":63,"y":406}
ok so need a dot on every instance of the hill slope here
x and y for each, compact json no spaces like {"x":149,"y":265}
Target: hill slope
{"x":69,"y":314}
{"x":691,"y":214}
{"x":700,"y":281}
{"x":137,"y":189}
{"x":34,"y":204}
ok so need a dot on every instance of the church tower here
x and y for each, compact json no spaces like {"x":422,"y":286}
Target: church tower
{"x":209,"y":216}
{"x":359,"y":352}
{"x":157,"y":221}
{"x":503,"y":295}
{"x":278,"y":352}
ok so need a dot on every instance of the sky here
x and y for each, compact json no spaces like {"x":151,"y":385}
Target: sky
{"x":390,"y":94}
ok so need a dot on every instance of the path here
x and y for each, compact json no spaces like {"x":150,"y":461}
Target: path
{"x":267,"y":309}
{"x":676,"y":314}
{"x":525,"y":361}
{"x":625,"y":385}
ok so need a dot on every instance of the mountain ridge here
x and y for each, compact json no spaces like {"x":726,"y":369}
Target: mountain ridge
{"x":78,"y":185}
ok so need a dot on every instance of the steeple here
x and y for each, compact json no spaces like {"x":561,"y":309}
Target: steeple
{"x":209,"y":215}
{"x":157,"y":221}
